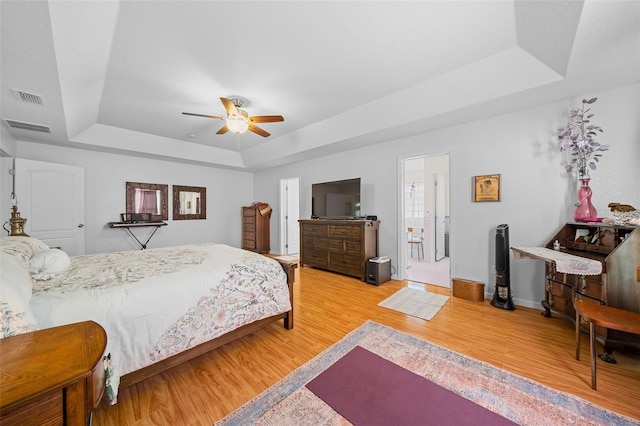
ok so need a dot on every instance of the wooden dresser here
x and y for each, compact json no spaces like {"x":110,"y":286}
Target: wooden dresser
{"x":342,"y":246}
{"x":52,"y":377}
{"x":255,"y":227}
{"x":618,"y":248}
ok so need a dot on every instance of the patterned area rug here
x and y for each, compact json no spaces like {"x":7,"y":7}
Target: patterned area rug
{"x":417,"y":303}
{"x":516,"y":398}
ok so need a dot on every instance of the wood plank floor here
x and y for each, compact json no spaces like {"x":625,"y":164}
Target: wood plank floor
{"x":328,"y":306}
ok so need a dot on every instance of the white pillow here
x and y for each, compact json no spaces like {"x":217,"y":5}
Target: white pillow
{"x":16,"y":316}
{"x":22,"y":248}
{"x":48,"y":263}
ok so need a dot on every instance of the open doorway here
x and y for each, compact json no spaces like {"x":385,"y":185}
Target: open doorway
{"x":426,"y":219}
{"x":289,"y":215}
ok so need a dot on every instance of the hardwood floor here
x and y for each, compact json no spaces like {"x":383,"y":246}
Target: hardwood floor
{"x":328,"y":306}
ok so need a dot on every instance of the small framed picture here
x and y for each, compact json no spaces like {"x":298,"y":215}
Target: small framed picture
{"x":486,"y":188}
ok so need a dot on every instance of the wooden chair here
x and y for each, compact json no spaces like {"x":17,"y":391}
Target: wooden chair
{"x":416,"y":241}
{"x":602,"y":316}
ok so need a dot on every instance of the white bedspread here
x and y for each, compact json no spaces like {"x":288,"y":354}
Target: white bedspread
{"x":158,"y":302}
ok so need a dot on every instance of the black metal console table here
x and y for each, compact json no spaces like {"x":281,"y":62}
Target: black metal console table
{"x":128,"y":226}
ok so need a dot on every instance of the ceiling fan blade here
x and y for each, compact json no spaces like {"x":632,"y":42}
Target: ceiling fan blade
{"x":258,"y":130}
{"x":266,"y":118}
{"x":202,"y":115}
{"x":229,"y":106}
{"x":224,"y":129}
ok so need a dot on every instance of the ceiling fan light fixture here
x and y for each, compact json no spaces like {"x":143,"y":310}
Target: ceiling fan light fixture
{"x":237,"y":125}
{"x":238,"y":120}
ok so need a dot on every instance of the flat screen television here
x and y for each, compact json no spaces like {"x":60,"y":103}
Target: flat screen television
{"x":338,"y":199}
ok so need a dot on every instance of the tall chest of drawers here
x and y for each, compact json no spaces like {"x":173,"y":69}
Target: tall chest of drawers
{"x":255,"y":227}
{"x":342,"y":246}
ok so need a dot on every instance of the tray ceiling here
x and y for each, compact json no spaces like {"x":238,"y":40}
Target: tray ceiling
{"x":115,"y":75}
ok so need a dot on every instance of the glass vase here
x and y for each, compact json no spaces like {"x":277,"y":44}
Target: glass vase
{"x":584,"y":209}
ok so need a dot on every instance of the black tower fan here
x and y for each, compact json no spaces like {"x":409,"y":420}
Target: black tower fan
{"x":502,"y":296}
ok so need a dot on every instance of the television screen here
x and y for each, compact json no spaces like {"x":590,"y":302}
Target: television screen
{"x":337,"y":199}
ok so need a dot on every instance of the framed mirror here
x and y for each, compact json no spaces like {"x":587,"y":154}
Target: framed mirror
{"x":148,"y":198}
{"x":189,"y":202}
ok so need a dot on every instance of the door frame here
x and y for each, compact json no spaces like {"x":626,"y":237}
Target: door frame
{"x":401,"y":230}
{"x":435,"y":177}
{"x":287,"y":213}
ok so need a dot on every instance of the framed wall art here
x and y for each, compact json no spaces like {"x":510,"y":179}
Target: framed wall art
{"x":189,"y":202}
{"x":150,"y":199}
{"x":486,"y":188}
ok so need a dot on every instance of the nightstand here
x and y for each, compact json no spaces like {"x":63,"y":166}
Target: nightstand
{"x":53,"y":376}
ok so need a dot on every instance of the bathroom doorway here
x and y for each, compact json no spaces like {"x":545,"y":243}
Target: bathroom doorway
{"x":426,"y":211}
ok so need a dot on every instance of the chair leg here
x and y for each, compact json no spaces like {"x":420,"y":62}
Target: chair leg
{"x":592,"y":337}
{"x":577,"y":336}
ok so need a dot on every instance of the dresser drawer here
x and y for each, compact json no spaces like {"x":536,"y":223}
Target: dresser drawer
{"x":314,"y":230}
{"x":353,"y":248}
{"x":329,"y":244}
{"x":350,"y":265}
{"x":249,"y":244}
{"x":592,"y":289}
{"x":47,"y":410}
{"x":248,"y":219}
{"x":249,"y":227}
{"x":341,"y":231}
{"x":307,"y":242}
{"x":560,"y":296}
{"x":248,"y":212}
{"x":319,"y":258}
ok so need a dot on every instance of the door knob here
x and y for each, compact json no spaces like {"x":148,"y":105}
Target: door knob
{"x":81,"y":225}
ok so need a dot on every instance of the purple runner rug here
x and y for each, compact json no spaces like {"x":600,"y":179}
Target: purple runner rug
{"x":367,"y":389}
{"x":516,"y":398}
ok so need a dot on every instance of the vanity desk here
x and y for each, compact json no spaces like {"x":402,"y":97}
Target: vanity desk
{"x":126,"y":225}
{"x":598,"y":265}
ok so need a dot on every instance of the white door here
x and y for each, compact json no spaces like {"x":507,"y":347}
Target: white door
{"x":439,"y":207}
{"x":290,"y":234}
{"x":51,"y":198}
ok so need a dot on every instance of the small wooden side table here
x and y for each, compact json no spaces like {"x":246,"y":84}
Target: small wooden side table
{"x":53,"y":376}
{"x":602,"y":316}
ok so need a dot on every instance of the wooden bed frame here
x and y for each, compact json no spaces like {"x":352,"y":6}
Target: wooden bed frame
{"x":129,"y":379}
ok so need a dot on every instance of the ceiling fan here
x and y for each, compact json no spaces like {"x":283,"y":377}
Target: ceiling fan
{"x":238,"y":121}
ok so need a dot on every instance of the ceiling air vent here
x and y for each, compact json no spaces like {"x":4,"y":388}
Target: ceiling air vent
{"x":28,"y":98}
{"x":27,"y":126}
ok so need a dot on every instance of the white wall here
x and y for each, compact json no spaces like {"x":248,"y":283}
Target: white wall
{"x":537,"y":194}
{"x":105,"y":177}
{"x":8,"y":143}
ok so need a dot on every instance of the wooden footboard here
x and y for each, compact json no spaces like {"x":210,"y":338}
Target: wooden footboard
{"x":289,"y":267}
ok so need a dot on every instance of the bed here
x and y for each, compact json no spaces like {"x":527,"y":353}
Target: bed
{"x":159,"y":307}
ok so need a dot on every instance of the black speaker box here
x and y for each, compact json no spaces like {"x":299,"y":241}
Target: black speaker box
{"x":378,"y":272}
